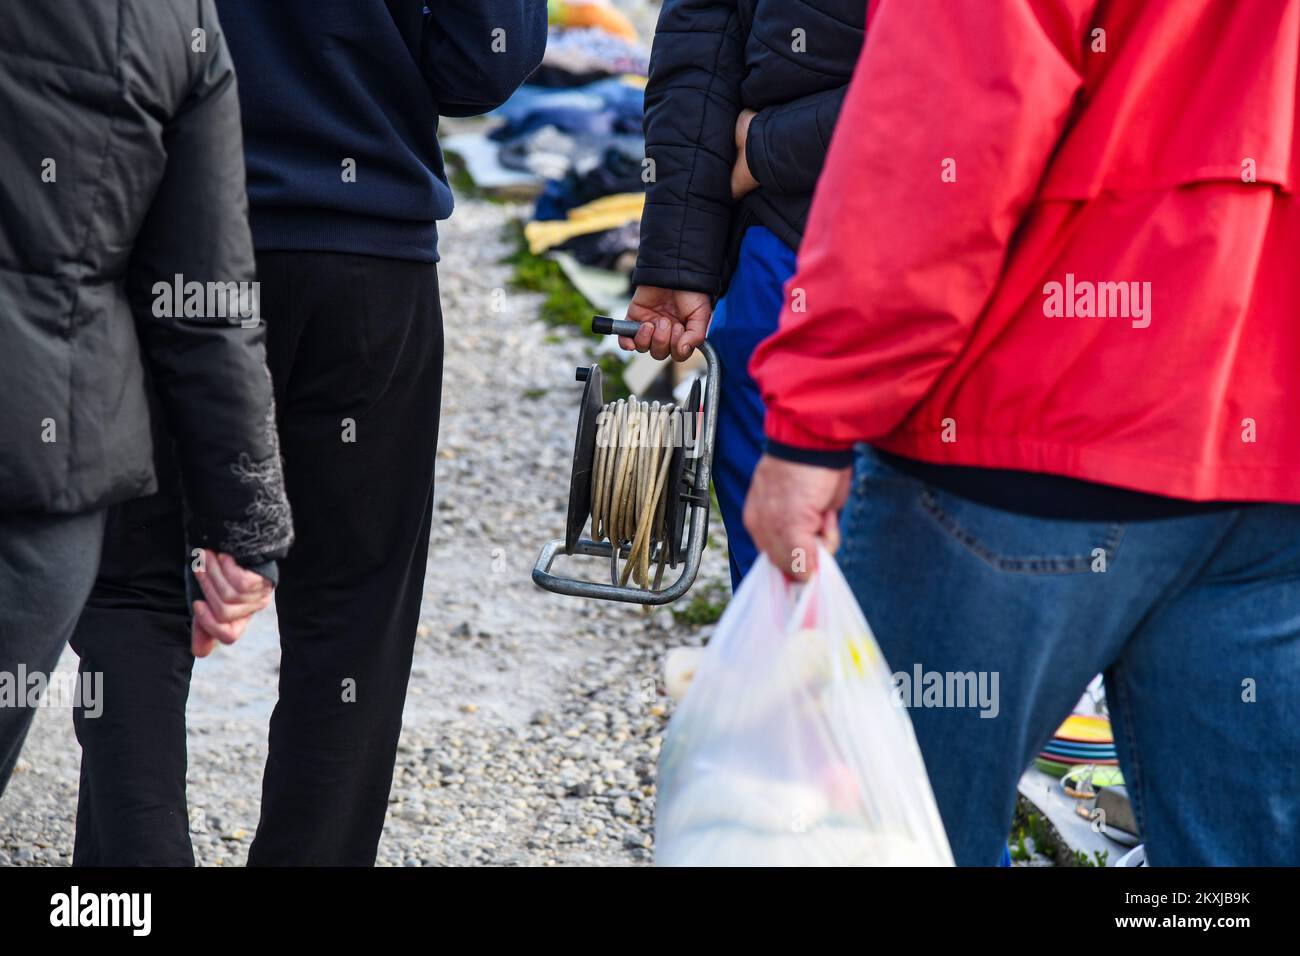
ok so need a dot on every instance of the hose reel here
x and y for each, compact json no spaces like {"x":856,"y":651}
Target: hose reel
{"x":640,"y":478}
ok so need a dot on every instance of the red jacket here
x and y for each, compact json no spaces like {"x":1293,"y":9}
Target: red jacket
{"x":1059,"y":236}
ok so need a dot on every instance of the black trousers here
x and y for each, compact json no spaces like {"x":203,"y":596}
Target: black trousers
{"x":47,"y":566}
{"x":355,"y":349}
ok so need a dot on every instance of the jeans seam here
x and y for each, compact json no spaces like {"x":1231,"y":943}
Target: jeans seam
{"x":1120,"y":692}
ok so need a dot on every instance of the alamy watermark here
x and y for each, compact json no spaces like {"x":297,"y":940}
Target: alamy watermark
{"x":1084,"y":299}
{"x":133,"y":911}
{"x":922,"y":688}
{"x":31,"y":688}
{"x":615,"y":431}
{"x":179,"y":299}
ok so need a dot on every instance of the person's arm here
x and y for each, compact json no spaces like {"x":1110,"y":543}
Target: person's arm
{"x":475,"y":53}
{"x":787,"y":144}
{"x":691,"y":103}
{"x":210,"y":372}
{"x":897,"y":263}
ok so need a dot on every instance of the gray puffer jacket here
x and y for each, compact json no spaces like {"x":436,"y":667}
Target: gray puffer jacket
{"x":124,"y":245}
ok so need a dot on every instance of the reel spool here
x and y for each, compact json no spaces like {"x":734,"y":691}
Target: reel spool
{"x":670,"y":527}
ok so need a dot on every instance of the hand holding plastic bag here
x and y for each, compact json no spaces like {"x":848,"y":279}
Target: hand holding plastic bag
{"x":790,"y":748}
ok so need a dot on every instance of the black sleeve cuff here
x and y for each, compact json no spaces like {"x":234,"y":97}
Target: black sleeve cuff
{"x":808,"y":456}
{"x":268,"y":569}
{"x":678,"y":279}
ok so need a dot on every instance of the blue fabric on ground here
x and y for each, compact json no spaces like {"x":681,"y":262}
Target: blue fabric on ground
{"x":612,"y":91}
{"x":746,"y":315}
{"x":607,"y":121}
{"x":619,"y":171}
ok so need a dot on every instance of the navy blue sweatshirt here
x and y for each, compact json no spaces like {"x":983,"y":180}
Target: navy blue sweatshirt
{"x":340,"y":102}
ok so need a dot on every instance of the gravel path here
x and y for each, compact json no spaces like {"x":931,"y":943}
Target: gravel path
{"x":533,"y":721}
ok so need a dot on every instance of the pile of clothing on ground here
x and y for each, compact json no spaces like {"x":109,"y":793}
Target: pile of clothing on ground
{"x":574,"y":132}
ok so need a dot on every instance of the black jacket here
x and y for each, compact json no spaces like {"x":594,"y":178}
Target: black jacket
{"x":122,"y":171}
{"x":790,"y":60}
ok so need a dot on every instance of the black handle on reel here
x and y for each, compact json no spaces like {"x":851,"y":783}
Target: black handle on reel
{"x":604,"y":325}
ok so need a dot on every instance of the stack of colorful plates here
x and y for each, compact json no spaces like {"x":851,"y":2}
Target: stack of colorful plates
{"x":1082,"y":739}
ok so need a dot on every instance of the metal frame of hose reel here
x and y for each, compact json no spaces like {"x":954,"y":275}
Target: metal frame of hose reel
{"x":687,"y":507}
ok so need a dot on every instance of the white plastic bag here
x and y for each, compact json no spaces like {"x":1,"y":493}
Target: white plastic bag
{"x":789,"y":748}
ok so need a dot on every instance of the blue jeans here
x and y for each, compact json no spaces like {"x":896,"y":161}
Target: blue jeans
{"x":746,"y":315}
{"x":1194,"y":620}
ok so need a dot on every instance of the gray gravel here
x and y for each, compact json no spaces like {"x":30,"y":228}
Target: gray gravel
{"x":533,"y":721}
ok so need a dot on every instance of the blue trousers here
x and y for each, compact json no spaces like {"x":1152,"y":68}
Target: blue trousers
{"x":1194,"y":620}
{"x":746,"y":315}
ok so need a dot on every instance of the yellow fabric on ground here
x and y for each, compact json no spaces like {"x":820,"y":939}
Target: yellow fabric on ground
{"x":607,"y":212}
{"x":592,"y":13}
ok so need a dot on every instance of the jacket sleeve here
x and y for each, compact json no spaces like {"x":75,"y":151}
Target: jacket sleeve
{"x":691,"y":103}
{"x":787,"y":144}
{"x":475,"y":53}
{"x":898,"y":262}
{"x":209,"y":372}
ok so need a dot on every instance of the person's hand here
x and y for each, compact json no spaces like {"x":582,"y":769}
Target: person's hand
{"x":232,"y":596}
{"x":742,"y":179}
{"x":790,"y":506}
{"x":672,"y":321}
